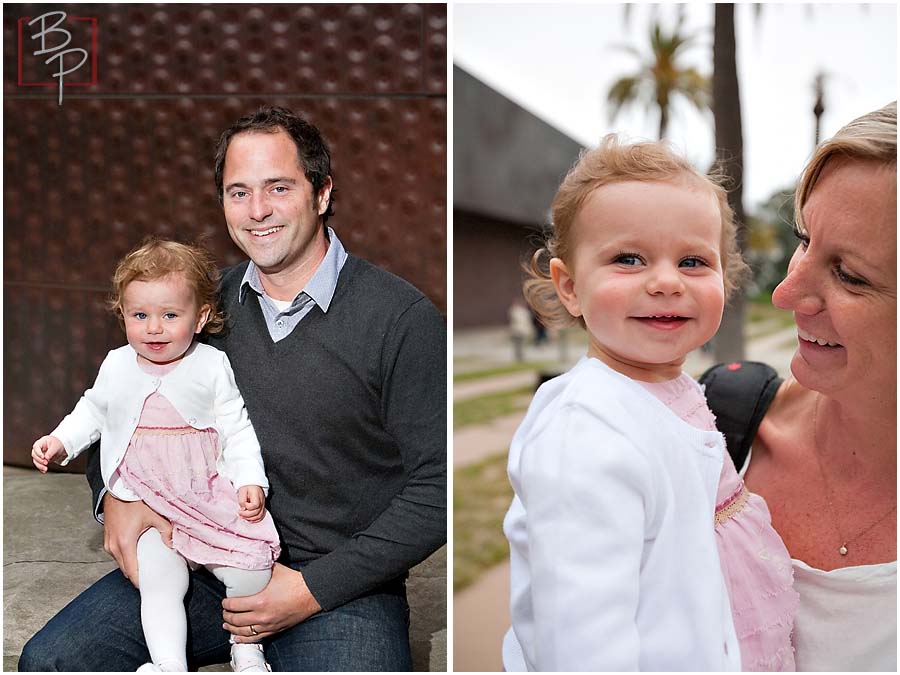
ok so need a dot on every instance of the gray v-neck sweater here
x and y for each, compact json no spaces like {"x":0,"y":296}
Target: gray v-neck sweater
{"x":350,"y":411}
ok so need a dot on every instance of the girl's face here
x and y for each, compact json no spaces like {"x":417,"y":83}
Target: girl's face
{"x":161,"y":317}
{"x":646,"y":274}
{"x":842,"y":282}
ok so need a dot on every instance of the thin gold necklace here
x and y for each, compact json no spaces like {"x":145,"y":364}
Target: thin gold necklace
{"x":844,"y":549}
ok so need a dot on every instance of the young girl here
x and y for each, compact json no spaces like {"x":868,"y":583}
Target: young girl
{"x":618,"y":471}
{"x":176,"y":435}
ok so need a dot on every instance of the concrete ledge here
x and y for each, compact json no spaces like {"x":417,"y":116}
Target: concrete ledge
{"x":53,"y":549}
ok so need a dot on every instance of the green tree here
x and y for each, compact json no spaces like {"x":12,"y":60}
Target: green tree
{"x":771,"y":240}
{"x":661,"y":77}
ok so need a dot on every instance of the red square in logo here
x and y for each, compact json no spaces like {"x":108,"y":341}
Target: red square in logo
{"x":82,"y":31}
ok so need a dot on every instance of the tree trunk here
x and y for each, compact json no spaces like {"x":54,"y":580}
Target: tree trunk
{"x":729,"y":341}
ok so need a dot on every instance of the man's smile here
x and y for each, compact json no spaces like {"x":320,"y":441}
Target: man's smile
{"x":266,"y":232}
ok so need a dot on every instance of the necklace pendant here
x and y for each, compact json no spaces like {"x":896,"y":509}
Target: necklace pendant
{"x":843,"y":549}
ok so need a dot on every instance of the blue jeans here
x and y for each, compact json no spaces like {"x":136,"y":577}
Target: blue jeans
{"x":100,"y":631}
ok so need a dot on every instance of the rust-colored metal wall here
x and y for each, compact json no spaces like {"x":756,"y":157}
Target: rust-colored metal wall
{"x":133,"y":154}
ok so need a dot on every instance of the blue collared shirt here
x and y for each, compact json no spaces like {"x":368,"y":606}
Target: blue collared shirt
{"x":319,"y":290}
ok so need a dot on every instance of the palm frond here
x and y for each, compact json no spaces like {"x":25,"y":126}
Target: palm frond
{"x":622,"y":92}
{"x":695,"y":87}
{"x":629,"y":49}
{"x":661,"y":76}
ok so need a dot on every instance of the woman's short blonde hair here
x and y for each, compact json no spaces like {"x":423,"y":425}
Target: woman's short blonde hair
{"x":158,"y":258}
{"x":614,"y":162}
{"x":870,"y":137}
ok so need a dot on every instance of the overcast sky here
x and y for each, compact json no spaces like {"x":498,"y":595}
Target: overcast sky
{"x":558,"y":62}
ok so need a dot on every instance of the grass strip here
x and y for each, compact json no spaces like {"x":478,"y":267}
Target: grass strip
{"x":501,"y":370}
{"x":481,"y":496}
{"x":482,"y":409}
{"x":763,"y":309}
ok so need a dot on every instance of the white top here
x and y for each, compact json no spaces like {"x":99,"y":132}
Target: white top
{"x":614,"y":564}
{"x":201,"y":388}
{"x":847,"y":619}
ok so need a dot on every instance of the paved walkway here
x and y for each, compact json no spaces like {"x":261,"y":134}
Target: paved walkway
{"x":491,"y":385}
{"x":475,"y":443}
{"x":479,"y":348}
{"x":480,"y":620}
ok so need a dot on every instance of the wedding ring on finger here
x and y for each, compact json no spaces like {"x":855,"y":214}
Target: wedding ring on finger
{"x":253,"y":630}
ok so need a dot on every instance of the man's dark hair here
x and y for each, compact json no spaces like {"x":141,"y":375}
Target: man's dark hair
{"x":312,"y":151}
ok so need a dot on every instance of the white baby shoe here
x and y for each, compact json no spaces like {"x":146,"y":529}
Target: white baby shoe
{"x":167,"y":667}
{"x":248,"y":658}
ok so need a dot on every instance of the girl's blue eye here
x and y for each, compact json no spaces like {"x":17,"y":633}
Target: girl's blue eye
{"x":140,"y":315}
{"x":629,"y":259}
{"x":169,"y":315}
{"x":693,"y":263}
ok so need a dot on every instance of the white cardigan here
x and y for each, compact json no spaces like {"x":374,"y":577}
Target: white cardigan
{"x":201,"y":388}
{"x":614,"y":564}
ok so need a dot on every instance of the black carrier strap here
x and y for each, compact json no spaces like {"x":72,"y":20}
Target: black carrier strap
{"x":739,"y":394}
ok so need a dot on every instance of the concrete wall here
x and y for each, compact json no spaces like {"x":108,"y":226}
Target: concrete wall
{"x":507,"y":165}
{"x":487,"y":258}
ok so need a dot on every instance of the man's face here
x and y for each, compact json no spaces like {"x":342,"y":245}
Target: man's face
{"x":270,"y":209}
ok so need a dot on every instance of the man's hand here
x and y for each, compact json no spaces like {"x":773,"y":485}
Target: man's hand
{"x":285,"y":602}
{"x":45,"y":450}
{"x":252,"y":501}
{"x":123,"y":524}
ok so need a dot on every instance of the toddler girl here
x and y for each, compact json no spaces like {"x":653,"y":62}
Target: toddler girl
{"x":176,"y":435}
{"x":618,"y":471}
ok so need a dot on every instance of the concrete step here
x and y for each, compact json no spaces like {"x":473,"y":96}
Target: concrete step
{"x":53,"y":550}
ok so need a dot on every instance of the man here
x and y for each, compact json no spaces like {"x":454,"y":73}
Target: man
{"x":342,"y":368}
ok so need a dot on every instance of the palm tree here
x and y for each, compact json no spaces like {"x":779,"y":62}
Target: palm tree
{"x":661,"y":77}
{"x":729,"y":341}
{"x":819,"y":107}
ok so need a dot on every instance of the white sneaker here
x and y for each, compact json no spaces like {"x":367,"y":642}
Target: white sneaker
{"x":149,"y":668}
{"x":248,"y":658}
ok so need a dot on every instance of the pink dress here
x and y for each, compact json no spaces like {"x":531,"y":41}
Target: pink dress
{"x":755,"y":563}
{"x":172,"y":467}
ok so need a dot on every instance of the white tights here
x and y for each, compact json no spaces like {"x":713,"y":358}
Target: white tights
{"x":163,"y":577}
